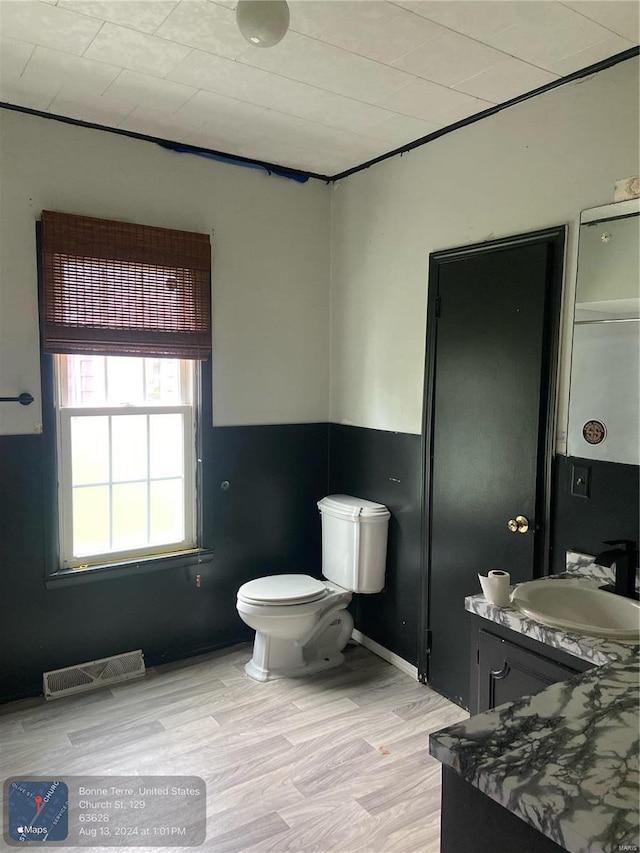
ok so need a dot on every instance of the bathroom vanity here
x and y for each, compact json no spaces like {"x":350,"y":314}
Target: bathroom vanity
{"x":506,"y":665}
{"x":552,"y":764}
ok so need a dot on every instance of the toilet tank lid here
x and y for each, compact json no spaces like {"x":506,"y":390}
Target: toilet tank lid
{"x":282,"y":589}
{"x":347,"y":506}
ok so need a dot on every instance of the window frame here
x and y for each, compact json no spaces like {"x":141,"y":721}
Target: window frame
{"x":159,"y":556}
{"x":65,"y":487}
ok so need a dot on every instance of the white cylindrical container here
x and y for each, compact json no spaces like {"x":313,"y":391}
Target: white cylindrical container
{"x":354,"y":542}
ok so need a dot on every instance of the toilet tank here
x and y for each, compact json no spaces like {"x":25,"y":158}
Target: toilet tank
{"x":354,"y":542}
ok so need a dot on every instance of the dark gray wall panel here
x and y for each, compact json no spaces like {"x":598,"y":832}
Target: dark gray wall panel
{"x":385,"y":467}
{"x":612,"y":510}
{"x":267,"y":521}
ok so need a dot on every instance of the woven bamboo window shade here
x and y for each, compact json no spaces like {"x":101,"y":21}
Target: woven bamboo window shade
{"x":115,"y":288}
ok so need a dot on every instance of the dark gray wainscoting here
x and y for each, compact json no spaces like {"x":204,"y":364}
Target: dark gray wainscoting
{"x":266,"y":522}
{"x":612,"y":511}
{"x":385,"y":467}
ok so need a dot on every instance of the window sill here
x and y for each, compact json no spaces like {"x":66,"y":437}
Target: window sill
{"x":128,"y":569}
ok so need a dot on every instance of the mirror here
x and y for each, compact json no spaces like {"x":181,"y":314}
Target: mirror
{"x":604,"y":398}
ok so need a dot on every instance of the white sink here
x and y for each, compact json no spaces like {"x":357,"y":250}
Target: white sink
{"x":580,"y":607}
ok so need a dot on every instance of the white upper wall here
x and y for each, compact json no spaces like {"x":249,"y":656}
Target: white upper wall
{"x":534,"y":165}
{"x":270,"y":240}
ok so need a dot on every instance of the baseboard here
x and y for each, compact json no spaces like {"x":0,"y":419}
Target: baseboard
{"x":385,"y":654}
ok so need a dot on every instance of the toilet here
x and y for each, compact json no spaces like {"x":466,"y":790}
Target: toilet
{"x":302,"y":623}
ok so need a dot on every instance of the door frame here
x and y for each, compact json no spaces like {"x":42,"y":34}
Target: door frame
{"x":555,"y":237}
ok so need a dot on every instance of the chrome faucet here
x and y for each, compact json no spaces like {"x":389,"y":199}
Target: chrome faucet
{"x":625,"y":560}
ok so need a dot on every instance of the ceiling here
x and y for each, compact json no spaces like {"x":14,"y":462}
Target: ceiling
{"x":351,"y":81}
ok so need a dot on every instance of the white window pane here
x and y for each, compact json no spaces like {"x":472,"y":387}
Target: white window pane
{"x":166,"y":452}
{"x":125,"y":381}
{"x":129,"y":447}
{"x":167,"y":511}
{"x":89,"y":450}
{"x":95,"y":380}
{"x":90,"y":520}
{"x":84,"y":380}
{"x":163,"y":381}
{"x":129,"y":516}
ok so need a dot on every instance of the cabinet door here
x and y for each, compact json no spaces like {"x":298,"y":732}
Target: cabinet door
{"x":507,"y":672}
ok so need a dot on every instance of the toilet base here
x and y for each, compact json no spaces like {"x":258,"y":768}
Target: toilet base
{"x":259,"y":673}
{"x":277,"y":658}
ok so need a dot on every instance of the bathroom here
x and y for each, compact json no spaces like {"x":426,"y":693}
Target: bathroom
{"x":317,"y":380}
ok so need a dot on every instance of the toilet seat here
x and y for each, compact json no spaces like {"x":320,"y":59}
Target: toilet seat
{"x":282,"y":590}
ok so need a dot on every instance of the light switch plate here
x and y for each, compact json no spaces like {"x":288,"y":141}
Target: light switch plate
{"x":581,"y":481}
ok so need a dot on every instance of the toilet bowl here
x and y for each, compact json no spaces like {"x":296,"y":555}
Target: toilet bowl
{"x":302,"y":623}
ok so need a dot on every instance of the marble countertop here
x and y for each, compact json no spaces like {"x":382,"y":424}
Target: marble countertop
{"x":566,"y":759}
{"x":594,"y":649}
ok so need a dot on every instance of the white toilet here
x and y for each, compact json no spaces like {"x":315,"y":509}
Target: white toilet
{"x":301,"y":623}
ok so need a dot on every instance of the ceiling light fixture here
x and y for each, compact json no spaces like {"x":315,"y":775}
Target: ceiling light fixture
{"x":262,"y":22}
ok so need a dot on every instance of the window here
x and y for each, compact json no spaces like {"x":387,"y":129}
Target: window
{"x":125,"y":312}
{"x":126,"y":457}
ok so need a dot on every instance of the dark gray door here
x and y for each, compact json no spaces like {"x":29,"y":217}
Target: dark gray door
{"x":492,"y":360}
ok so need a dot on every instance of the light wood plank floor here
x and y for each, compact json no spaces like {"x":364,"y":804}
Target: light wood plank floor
{"x":336,"y":762}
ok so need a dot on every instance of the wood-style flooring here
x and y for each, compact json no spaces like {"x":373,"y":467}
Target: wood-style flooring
{"x":335,"y":762}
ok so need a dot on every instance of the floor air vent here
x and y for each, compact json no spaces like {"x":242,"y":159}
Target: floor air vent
{"x":93,"y":674}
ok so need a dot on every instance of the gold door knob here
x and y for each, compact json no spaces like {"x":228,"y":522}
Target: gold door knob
{"x":519,"y":524}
